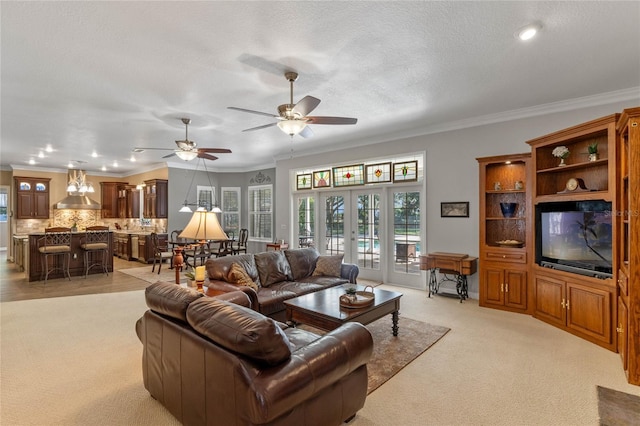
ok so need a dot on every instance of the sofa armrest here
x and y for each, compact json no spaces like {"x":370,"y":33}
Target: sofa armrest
{"x":216,"y":288}
{"x":350,"y":272}
{"x":238,"y":297}
{"x":315,"y":366}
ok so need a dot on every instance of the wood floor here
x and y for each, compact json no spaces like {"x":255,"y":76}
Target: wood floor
{"x":14,"y":285}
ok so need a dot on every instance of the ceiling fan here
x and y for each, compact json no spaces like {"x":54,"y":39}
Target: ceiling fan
{"x":292,"y":118}
{"x":187,"y":150}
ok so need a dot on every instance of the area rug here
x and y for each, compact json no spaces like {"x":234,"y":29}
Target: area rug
{"x":144,"y":273}
{"x":392,"y":353}
{"x":618,"y":408}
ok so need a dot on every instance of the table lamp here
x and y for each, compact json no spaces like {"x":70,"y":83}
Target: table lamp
{"x":202,"y":227}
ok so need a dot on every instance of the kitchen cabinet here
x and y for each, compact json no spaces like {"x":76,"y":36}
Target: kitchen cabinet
{"x":575,"y":306}
{"x":128,"y":201}
{"x":505,"y":232}
{"x":32,"y":198}
{"x":110,"y":199}
{"x":123,"y":245}
{"x":156,"y":199}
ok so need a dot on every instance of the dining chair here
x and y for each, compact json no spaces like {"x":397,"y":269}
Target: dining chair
{"x":241,"y":244}
{"x":160,"y":253}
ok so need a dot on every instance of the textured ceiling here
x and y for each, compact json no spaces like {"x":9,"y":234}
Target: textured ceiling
{"x":110,"y":76}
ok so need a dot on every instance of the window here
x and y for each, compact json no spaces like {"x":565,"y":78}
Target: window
{"x":206,"y":196}
{"x":306,"y":221}
{"x":231,"y":210}
{"x":260,"y":212}
{"x":3,"y":205}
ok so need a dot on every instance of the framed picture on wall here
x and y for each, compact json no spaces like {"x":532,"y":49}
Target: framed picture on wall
{"x":454,"y":209}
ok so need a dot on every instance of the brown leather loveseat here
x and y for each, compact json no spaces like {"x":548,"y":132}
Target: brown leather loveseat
{"x":211,"y":361}
{"x":275,"y":276}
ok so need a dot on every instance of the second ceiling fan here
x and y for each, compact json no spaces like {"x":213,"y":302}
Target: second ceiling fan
{"x":292,"y":118}
{"x":187,"y":150}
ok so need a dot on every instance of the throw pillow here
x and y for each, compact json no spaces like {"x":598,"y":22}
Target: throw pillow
{"x":239,"y":276}
{"x":329,"y":266}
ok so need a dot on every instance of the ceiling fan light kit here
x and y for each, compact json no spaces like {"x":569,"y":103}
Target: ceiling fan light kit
{"x":187,"y":155}
{"x":292,"y":127}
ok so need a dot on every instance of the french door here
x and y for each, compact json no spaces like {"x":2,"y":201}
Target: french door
{"x":351,"y":224}
{"x":377,"y":229}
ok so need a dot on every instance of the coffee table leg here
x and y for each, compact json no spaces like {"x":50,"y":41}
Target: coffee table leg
{"x":394,"y":318}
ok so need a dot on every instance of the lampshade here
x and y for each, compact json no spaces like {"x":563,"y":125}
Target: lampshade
{"x":203,"y":226}
{"x":292,"y":127}
{"x":186,"y":155}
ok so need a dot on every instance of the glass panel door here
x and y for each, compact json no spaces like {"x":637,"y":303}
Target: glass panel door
{"x":367,"y":248}
{"x":407,"y":239}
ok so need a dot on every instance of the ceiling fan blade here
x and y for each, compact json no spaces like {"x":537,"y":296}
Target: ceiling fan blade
{"x":250,"y":111}
{"x":331,"y":120}
{"x":169,"y":155}
{"x":306,"y":132}
{"x":259,"y":127}
{"x":306,"y":105}
{"x":216,"y":150}
{"x":207,"y":156}
{"x":144,"y":149}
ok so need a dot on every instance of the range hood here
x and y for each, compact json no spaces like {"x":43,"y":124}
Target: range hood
{"x":78,"y":186}
{"x":77,"y":202}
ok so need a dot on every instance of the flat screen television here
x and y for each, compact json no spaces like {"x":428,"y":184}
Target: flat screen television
{"x":576,"y":237}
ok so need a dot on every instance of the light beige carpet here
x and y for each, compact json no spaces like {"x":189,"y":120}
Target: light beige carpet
{"x":77,"y":360}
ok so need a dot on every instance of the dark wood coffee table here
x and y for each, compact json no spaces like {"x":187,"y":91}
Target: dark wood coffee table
{"x":322,"y":308}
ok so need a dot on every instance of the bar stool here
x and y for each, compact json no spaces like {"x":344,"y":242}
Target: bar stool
{"x":55,"y":242}
{"x":96,"y":241}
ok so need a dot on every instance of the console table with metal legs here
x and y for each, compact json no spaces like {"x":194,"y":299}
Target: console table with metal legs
{"x":455,"y":267}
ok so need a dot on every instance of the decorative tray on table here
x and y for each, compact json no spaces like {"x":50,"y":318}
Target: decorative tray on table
{"x":359,"y":299}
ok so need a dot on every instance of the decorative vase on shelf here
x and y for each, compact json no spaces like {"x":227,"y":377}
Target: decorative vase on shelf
{"x":562,"y":163}
{"x":561,"y":152}
{"x":593,"y":157}
{"x":508,"y":209}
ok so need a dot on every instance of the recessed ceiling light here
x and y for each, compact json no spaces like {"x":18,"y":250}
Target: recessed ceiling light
{"x":70,"y":165}
{"x":528,"y":32}
{"x":104,"y":168}
{"x":94,"y":154}
{"x":32,"y":161}
{"x":41,"y":154}
{"x":115,"y":164}
{"x":48,"y":148}
{"x":132,"y":159}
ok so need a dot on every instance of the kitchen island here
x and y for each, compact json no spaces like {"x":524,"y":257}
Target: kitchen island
{"x":76,"y":267}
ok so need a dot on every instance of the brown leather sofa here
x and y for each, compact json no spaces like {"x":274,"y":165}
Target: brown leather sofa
{"x":211,"y":361}
{"x":278,"y":276}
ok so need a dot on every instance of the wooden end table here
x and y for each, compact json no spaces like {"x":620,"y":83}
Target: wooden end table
{"x":322,"y":308}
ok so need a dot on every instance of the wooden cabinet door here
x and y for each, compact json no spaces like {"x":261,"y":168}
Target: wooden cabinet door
{"x":162,"y":200}
{"x":589,"y":311}
{"x":622,"y":332}
{"x":493,"y":286}
{"x":40,"y":205}
{"x":515,"y":289}
{"x":25,"y":203}
{"x":109,"y":200}
{"x":550,"y":300}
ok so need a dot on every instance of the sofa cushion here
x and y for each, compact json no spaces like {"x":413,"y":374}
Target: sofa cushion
{"x":170,"y":299}
{"x":272,"y":267}
{"x":240,"y":330}
{"x":329,"y":265}
{"x":302,"y":262}
{"x":218,"y":268}
{"x":239,"y":276}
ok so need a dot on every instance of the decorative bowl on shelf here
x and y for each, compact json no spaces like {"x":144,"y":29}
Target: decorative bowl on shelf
{"x":508,"y":209}
{"x":510,"y":243}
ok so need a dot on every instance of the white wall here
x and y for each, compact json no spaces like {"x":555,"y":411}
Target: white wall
{"x":451,"y":171}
